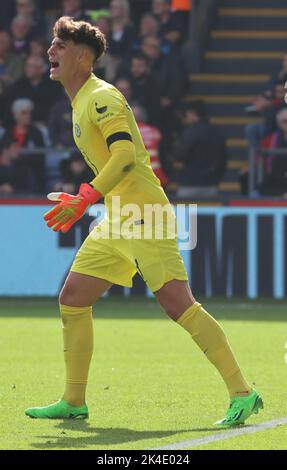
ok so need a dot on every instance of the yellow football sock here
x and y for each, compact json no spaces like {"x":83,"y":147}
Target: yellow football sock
{"x":210,"y":337}
{"x":78,"y":350}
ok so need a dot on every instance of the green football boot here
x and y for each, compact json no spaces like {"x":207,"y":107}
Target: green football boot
{"x":240,"y":409}
{"x":59,"y":410}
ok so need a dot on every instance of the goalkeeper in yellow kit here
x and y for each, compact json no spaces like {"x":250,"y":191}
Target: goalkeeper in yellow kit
{"x":107,"y":135}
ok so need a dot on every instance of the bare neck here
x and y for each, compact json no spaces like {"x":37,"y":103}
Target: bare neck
{"x":74,"y":83}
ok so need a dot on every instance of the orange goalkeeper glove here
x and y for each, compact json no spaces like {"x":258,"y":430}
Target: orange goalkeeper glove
{"x":70,"y":208}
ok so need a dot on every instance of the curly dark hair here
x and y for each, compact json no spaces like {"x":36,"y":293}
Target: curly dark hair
{"x":81,"y":32}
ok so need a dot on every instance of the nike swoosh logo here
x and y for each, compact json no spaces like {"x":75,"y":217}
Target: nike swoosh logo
{"x":101,"y":110}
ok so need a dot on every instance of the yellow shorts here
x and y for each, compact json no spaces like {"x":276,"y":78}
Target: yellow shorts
{"x":118,"y":260}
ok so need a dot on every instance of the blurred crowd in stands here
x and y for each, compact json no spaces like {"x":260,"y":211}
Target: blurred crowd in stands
{"x":145,"y":61}
{"x":268,"y":137}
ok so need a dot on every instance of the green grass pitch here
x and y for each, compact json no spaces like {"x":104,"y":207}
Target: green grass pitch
{"x":149,"y":384}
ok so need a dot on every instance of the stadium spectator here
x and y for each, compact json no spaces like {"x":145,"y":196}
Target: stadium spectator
{"x":275,"y":182}
{"x":151,"y":136}
{"x":166,"y":70}
{"x":104,"y":23}
{"x":280,"y":76}
{"x":106,"y":67}
{"x":120,"y":11}
{"x":23,"y":131}
{"x":33,"y":16}
{"x":161,"y":9}
{"x":75,"y":9}
{"x":14,"y":176}
{"x":36,"y":86}
{"x":145,"y":92}
{"x":199,"y":154}
{"x":27,"y":137}
{"x":138,"y":9}
{"x":38,"y":48}
{"x":169,"y":80}
{"x":74,"y":171}
{"x":266,"y":105}
{"x":153,"y":79}
{"x":20,"y":30}
{"x":173,"y":24}
{"x":11,"y":65}
{"x":149,"y":24}
{"x":123,"y":34}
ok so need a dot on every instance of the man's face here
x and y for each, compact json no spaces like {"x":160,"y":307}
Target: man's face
{"x":160,"y":6}
{"x":24,"y":117}
{"x":62,"y":56}
{"x":34,"y":68}
{"x":151,"y":48}
{"x":20,"y":29}
{"x":116,"y":9}
{"x":103,"y":24}
{"x":149,"y":25}
{"x":189,"y":117}
{"x":138,"y":68}
{"x":24,"y":7}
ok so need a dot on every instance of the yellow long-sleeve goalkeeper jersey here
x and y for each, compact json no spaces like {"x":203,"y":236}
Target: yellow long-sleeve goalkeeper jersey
{"x":105,"y":130}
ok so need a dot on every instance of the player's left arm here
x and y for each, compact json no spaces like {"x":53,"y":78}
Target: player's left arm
{"x":112,"y":122}
{"x":114,"y":127}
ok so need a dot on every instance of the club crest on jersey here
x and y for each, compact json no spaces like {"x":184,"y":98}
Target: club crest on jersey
{"x":77,"y":130}
{"x":101,"y":110}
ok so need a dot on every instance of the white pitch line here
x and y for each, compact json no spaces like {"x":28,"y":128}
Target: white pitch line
{"x":224,"y":435}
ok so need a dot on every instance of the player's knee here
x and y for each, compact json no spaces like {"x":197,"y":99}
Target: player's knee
{"x":177,"y":307}
{"x":68,"y":295}
{"x":173,"y":311}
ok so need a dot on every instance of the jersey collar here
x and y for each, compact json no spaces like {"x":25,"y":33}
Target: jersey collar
{"x":81,"y":91}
